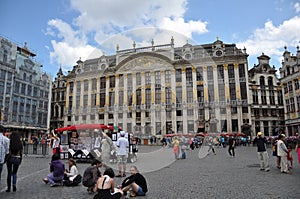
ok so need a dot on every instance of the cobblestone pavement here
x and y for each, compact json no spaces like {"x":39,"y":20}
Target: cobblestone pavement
{"x":215,"y":176}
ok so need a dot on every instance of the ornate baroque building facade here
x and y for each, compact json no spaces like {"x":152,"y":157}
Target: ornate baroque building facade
{"x":267,"y":111}
{"x":24,"y":90}
{"x":161,"y":89}
{"x":58,"y":100}
{"x":290,"y":78}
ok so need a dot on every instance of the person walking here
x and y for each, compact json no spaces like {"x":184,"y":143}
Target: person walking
{"x":211,"y":145}
{"x":13,"y":163}
{"x":298,"y":149}
{"x":262,"y":152}
{"x":4,"y":150}
{"x":282,"y":152}
{"x":175,"y":144}
{"x":122,"y":144}
{"x":231,"y":145}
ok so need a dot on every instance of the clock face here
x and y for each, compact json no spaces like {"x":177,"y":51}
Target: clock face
{"x":219,"y":53}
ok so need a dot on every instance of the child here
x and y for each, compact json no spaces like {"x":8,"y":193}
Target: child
{"x":290,"y":157}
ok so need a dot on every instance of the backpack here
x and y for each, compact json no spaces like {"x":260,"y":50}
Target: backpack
{"x":75,"y":182}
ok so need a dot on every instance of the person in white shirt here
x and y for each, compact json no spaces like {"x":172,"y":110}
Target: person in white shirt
{"x":4,"y":149}
{"x":70,"y":174}
{"x":122,"y":144}
{"x":282,"y":151}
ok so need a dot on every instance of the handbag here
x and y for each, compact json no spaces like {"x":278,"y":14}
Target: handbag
{"x":7,"y":157}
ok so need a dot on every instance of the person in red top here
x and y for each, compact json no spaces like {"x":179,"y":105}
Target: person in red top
{"x":290,"y":157}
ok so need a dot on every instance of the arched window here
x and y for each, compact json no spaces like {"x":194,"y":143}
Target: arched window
{"x":270,"y":82}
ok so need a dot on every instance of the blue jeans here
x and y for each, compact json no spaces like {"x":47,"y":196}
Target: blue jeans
{"x":12,"y":168}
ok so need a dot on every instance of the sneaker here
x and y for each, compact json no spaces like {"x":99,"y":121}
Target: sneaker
{"x":14,"y":188}
{"x":45,"y":180}
{"x":267,"y":170}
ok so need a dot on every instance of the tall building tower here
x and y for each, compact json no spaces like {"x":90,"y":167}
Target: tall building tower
{"x":26,"y":98}
{"x":58,"y":100}
{"x":267,"y":111}
{"x":161,"y":89}
{"x":290,"y":77}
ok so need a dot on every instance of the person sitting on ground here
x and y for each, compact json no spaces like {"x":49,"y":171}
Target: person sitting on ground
{"x":91,"y":175}
{"x":57,"y":169}
{"x":105,"y":186}
{"x":136,"y":183}
{"x":71,"y":177}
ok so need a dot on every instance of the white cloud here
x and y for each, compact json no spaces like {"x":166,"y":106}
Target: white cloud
{"x":297,"y":7}
{"x":271,"y":39}
{"x":105,"y":20}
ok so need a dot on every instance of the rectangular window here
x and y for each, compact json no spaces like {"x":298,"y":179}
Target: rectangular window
{"x":178,"y":75}
{"x":189,"y":94}
{"x":288,"y":108}
{"x":157,"y":79}
{"x":129,"y":96}
{"x":178,"y":112}
{"x":94,"y":98}
{"x":189,"y":75}
{"x":241,"y":70}
{"x":191,"y":126}
{"x":234,"y":110}
{"x":231,"y":71}
{"x":210,"y":75}
{"x":179,"y":95}
{"x":86,"y":85}
{"x":148,"y":98}
{"x":120,"y":115}
{"x":190,"y":112}
{"x":235,"y":125}
{"x":221,"y":92}
{"x":272,"y":97}
{"x":157,"y":95}
{"x":243,"y":90}
{"x":129,"y":80}
{"x":245,"y":109}
{"x":84,"y":118}
{"x":23,"y":89}
{"x":199,"y":74}
{"x":168,"y":97}
{"x":92,"y":117}
{"x":167,"y":76}
{"x":101,"y":116}
{"x":77,"y":101}
{"x":94,"y":84}
{"x":296,"y":82}
{"x":201,"y":112}
{"x":121,"y":80}
{"x":293,"y":109}
{"x":78,"y":87}
{"x":102,"y":83}
{"x":111,"y":98}
{"x":298,"y":103}
{"x":121,"y":97}
{"x":147,"y":77}
{"x":220,"y":74}
{"x":102,"y":99}
{"x":17,"y":87}
{"x":138,"y":79}
{"x":85,"y":101}
{"x":200,"y":93}
{"x":223,"y":110}
{"x":290,"y":85}
{"x":112,"y":81}
{"x":211,"y":93}
{"x":232,"y":91}
{"x":263,"y":97}
{"x":158,"y":128}
{"x":71,"y":87}
{"x":138,"y":97}
{"x":224,"y":125}
{"x":279,"y":97}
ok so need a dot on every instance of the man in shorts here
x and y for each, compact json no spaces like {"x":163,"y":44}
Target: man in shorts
{"x":122,"y":144}
{"x":136,"y":183}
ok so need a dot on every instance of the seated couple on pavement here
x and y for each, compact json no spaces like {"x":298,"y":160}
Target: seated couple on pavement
{"x":134,"y":185}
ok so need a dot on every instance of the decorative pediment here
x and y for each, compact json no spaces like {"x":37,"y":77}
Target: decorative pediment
{"x":144,"y":62}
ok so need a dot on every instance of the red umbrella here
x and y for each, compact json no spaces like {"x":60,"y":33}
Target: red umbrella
{"x":82,"y":127}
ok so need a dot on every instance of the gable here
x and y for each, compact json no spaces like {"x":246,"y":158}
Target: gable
{"x":144,"y":62}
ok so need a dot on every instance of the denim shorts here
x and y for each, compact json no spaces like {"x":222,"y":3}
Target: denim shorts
{"x":140,"y":192}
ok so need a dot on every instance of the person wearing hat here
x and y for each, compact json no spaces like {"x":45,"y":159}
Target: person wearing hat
{"x":122,"y":144}
{"x":282,"y":151}
{"x":262,"y":151}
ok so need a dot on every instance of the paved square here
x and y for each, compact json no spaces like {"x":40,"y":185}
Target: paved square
{"x":215,"y":176}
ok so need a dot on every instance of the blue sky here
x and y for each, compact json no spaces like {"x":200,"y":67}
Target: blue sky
{"x":61,"y":31}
